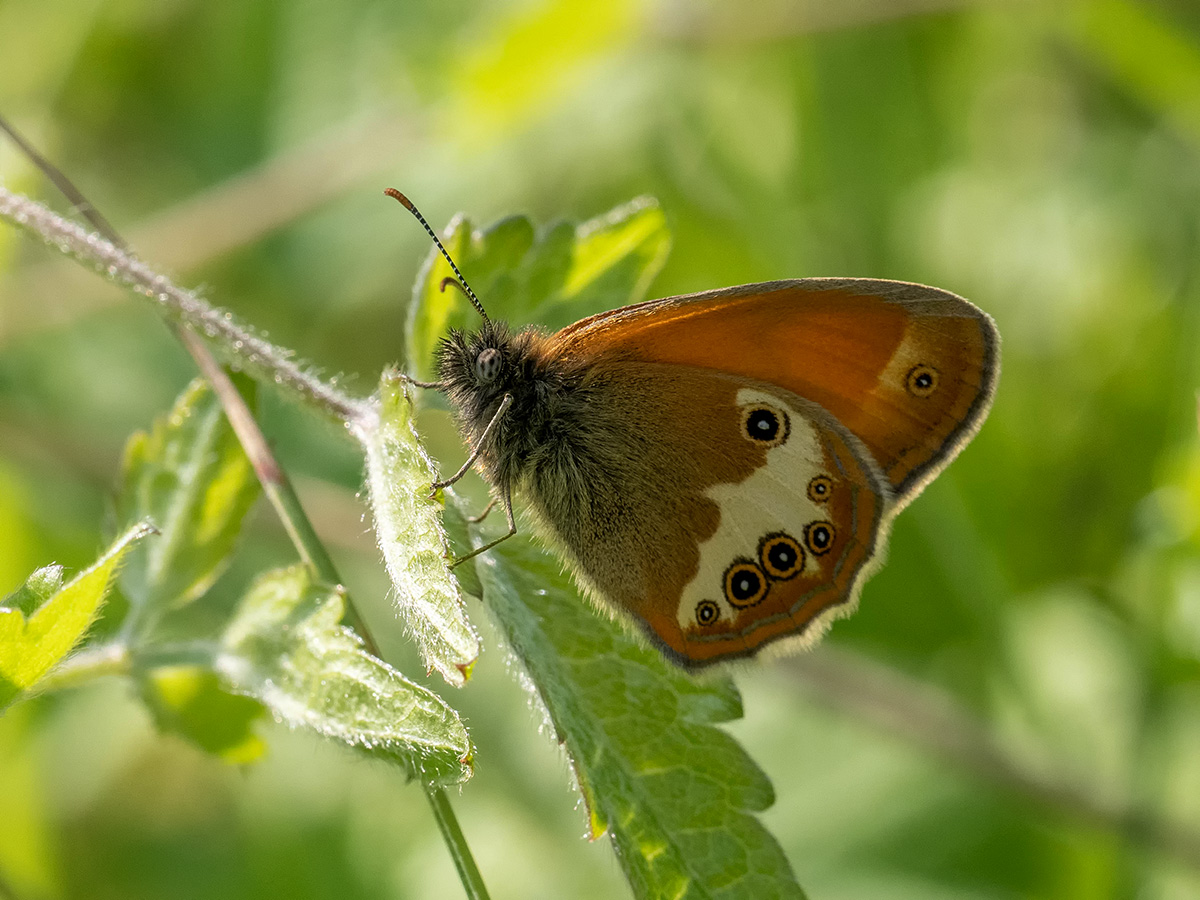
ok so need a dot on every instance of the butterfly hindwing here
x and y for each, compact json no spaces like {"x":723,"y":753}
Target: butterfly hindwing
{"x":794,"y":540}
{"x":698,"y":474}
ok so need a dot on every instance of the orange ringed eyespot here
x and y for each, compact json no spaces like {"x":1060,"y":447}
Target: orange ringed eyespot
{"x":781,"y":556}
{"x":820,"y":489}
{"x":921,"y":380}
{"x":818,"y":537}
{"x":745,"y":584}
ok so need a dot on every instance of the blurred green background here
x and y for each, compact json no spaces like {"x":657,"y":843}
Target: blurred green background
{"x":1015,"y":709}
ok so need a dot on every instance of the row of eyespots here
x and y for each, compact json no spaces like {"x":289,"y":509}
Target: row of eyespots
{"x":780,"y":557}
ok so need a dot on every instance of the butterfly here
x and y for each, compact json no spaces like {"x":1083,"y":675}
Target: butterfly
{"x":722,"y":468}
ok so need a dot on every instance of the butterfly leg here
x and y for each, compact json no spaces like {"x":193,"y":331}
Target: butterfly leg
{"x":475,"y":520}
{"x":466,"y":467}
{"x":512,"y":529}
{"x":432,"y":385}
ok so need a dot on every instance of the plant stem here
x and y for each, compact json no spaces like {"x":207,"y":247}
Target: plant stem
{"x":468,"y":872}
{"x":115,"y":658}
{"x":274,"y":480}
{"x":87,"y":664}
{"x":237,"y":343}
{"x":192,"y":316}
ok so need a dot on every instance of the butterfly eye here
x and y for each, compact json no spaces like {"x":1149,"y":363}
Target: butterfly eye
{"x":745,"y":584}
{"x":921,"y":380}
{"x":765,"y":425}
{"x":488,"y":365}
{"x":819,"y":537}
{"x":781,"y":555}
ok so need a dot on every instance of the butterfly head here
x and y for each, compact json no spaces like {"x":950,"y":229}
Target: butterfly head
{"x":476,"y":362}
{"x":476,"y":369}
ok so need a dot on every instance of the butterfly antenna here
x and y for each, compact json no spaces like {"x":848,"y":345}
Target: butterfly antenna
{"x":462,"y":282}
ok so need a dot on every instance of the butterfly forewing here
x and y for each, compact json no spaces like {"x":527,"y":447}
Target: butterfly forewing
{"x":909,"y":370}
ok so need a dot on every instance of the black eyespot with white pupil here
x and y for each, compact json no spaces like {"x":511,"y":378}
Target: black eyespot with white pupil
{"x":781,"y":556}
{"x":921,"y":380}
{"x":488,"y":364}
{"x":762,"y":425}
{"x":819,"y":489}
{"x":819,"y":537}
{"x":765,"y":425}
{"x":745,"y":584}
{"x":707,"y":612}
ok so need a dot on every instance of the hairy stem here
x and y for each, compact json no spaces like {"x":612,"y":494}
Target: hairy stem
{"x":86,"y":665}
{"x":236,"y":343}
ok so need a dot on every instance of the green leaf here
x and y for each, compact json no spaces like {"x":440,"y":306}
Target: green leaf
{"x":31,"y":643}
{"x":675,"y":793}
{"x":191,"y":478}
{"x":190,"y":700}
{"x":37,"y":589}
{"x":613,"y":262}
{"x":459,"y":535}
{"x":409,"y":529}
{"x":549,"y":278}
{"x":286,"y":648}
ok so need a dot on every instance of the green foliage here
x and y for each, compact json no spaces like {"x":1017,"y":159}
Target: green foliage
{"x":191,"y":478}
{"x":37,"y":589}
{"x":550,"y":277}
{"x":193,"y":701}
{"x":286,"y":649}
{"x":410,"y":535}
{"x":190,"y":475}
{"x":675,"y":793}
{"x":44,"y":619}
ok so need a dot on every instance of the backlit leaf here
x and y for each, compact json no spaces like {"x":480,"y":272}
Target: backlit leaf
{"x":409,"y":530}
{"x":31,"y":643}
{"x":549,"y":277}
{"x":191,"y":478}
{"x":286,"y":648}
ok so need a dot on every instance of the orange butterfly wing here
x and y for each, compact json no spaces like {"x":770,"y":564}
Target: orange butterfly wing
{"x":909,"y":370}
